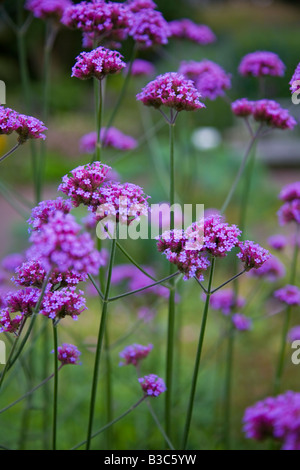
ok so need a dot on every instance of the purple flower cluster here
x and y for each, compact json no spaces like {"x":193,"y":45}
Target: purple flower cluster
{"x":27,"y":127}
{"x":289,"y":295}
{"x":113,"y":138}
{"x":152,"y":385}
{"x":187,"y":29}
{"x":83,"y":182}
{"x":124,"y":202}
{"x":142,"y":67}
{"x":241,"y":322}
{"x":219,"y":236}
{"x":134,"y":353}
{"x":97,"y":63}
{"x":99,"y":19}
{"x":277,"y":242}
{"x":261,"y":63}
{"x":268,"y":112}
{"x":172,"y":90}
{"x":60,"y":245}
{"x":210,"y":79}
{"x":45,"y":9}
{"x":149,"y":28}
{"x":68,"y":354}
{"x":226,"y":301}
{"x":275,"y":417}
{"x":252,"y":255}
{"x":41,"y":213}
{"x":295,"y":80}
{"x":294,"y":334}
{"x":18,"y":306}
{"x":290,"y":210}
{"x":65,"y":302}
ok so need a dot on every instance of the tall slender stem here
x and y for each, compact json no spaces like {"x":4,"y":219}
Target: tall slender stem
{"x":171,"y":312}
{"x":228,"y":387}
{"x":98,"y":91}
{"x":101,"y":334}
{"x":55,"y":390}
{"x":198,"y":358}
{"x":12,"y":150}
{"x":287,"y":318}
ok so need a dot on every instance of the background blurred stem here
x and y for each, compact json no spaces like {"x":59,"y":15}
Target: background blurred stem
{"x":55,"y":390}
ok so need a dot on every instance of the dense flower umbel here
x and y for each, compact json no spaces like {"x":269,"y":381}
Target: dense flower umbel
{"x":275,"y":417}
{"x":152,"y":385}
{"x":65,"y":302}
{"x":12,"y":261}
{"x":18,"y":306}
{"x":113,"y":138}
{"x":134,"y":353}
{"x":219,"y":236}
{"x":241,"y":322}
{"x":267,"y":112}
{"x":124,"y":202}
{"x":261,"y":63}
{"x":82,"y":183}
{"x":40,"y":214}
{"x":277,"y":241}
{"x":289,"y":295}
{"x":290,"y":192}
{"x":103,"y":20}
{"x":9,"y":322}
{"x":172,"y":90}
{"x":60,"y":245}
{"x":136,"y":6}
{"x":226,"y":301}
{"x":210,"y":79}
{"x":295,"y":80}
{"x":252,"y":254}
{"x":149,"y":29}
{"x":97,"y":63}
{"x":187,"y":29}
{"x":48,"y":8}
{"x":294,"y":334}
{"x":142,"y":67}
{"x":68,"y":354}
{"x":289,"y":212}
{"x":27,"y":127}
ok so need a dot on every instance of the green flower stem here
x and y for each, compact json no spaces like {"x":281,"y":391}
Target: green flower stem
{"x":171,"y":309}
{"x":130,"y":258}
{"x":158,"y":424}
{"x":229,"y":280}
{"x":287,"y":319}
{"x":228,"y":386}
{"x":55,"y":390}
{"x":98,"y":92}
{"x":101,"y":334}
{"x":108,"y":425}
{"x":12,"y":150}
{"x":198,"y":359}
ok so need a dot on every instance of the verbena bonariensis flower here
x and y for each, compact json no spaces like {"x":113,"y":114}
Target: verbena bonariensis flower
{"x":124,"y":202}
{"x":82,"y":183}
{"x":272,"y":114}
{"x":40,"y":214}
{"x":134,"y":353}
{"x":275,"y":417}
{"x":45,"y":9}
{"x":97,"y":63}
{"x":152,"y":385}
{"x":295,"y":80}
{"x":289,"y":212}
{"x":27,"y":127}
{"x":289,"y":295}
{"x":12,"y":261}
{"x":252,"y":254}
{"x":111,"y":137}
{"x":172,"y":90}
{"x":294,"y":334}
{"x":277,"y":242}
{"x":142,"y":67}
{"x":100,"y":19}
{"x":9,"y":322}
{"x":61,"y":303}
{"x":242,"y":107}
{"x":210,"y":79}
{"x":23,"y":300}
{"x":137,"y":5}
{"x":272,"y":270}
{"x":261,"y":63}
{"x":68,"y":354}
{"x":219,"y":236}
{"x":226,"y":301}
{"x":149,"y":29}
{"x":59,"y":244}
{"x":290,"y":192}
{"x":241,"y":322}
{"x":187,"y":29}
